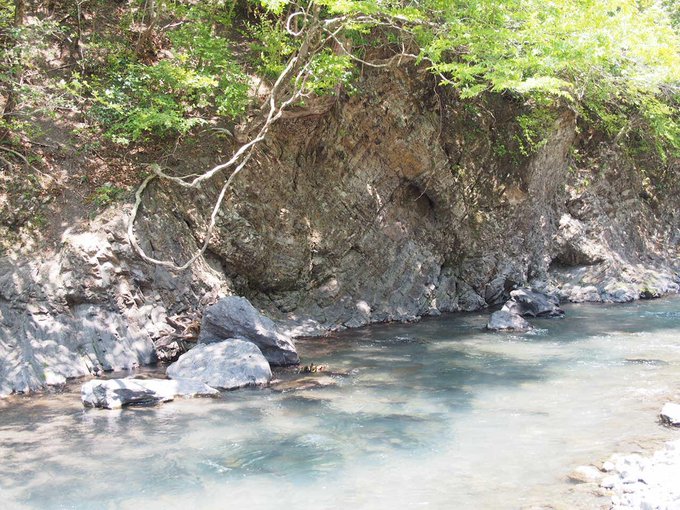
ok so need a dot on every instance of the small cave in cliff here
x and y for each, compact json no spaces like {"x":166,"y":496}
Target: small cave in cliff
{"x":414,"y":199}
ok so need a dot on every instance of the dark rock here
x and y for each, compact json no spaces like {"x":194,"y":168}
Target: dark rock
{"x":505,"y":321}
{"x":116,"y":393}
{"x":229,"y":364}
{"x":529,"y":303}
{"x":235,"y":317}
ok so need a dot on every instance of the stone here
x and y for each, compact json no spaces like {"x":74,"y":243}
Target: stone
{"x":235,"y":317}
{"x":670,"y":414}
{"x":229,"y":365}
{"x":116,"y":393}
{"x":586,"y":474}
{"x":529,"y":303}
{"x":503,"y":320}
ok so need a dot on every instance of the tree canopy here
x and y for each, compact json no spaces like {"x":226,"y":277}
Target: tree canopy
{"x":165,"y":63}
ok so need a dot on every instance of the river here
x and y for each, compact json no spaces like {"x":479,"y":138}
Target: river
{"x":439,"y":414}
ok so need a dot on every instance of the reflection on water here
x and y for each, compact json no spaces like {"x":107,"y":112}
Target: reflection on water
{"x":438,"y":414}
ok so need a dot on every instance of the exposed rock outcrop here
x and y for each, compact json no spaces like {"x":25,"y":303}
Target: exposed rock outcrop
{"x":228,"y":365}
{"x":235,"y":317}
{"x":116,"y":393}
{"x":94,"y":307}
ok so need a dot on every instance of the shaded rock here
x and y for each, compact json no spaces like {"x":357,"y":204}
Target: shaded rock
{"x":670,"y":414}
{"x":229,"y":364}
{"x":503,"y":320}
{"x":116,"y":393}
{"x":235,"y":317}
{"x":574,"y":247}
{"x":169,"y":348}
{"x":529,"y":303}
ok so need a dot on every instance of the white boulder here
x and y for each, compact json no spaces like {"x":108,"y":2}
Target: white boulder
{"x":116,"y":393}
{"x":228,"y":365}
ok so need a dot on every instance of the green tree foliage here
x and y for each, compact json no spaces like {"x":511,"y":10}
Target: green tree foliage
{"x":615,"y":62}
{"x":133,"y":99}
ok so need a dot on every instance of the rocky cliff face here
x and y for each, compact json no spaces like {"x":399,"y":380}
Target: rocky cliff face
{"x":398,"y":202}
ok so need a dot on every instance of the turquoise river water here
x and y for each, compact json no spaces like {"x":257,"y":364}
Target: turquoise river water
{"x":440,"y":414}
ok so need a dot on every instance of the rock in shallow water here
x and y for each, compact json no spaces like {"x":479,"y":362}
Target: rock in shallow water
{"x":503,"y":320}
{"x":235,"y":317}
{"x":116,"y":393}
{"x":529,"y":303}
{"x":586,"y":474}
{"x":229,"y":365}
{"x":670,"y":414}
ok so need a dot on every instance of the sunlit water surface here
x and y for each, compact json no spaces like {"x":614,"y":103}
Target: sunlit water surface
{"x":439,"y":414}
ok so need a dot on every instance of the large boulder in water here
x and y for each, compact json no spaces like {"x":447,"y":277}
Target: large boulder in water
{"x":228,"y":365}
{"x":503,"y":320}
{"x":116,"y":393}
{"x":235,"y":317}
{"x":529,"y":303}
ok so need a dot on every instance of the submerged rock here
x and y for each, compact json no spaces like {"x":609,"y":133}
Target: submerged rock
{"x":503,"y":320}
{"x":305,"y":383}
{"x":229,"y":364}
{"x":530,"y":303}
{"x":116,"y":393}
{"x":235,"y":317}
{"x":670,"y":414}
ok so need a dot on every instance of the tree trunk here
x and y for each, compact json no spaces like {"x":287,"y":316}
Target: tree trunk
{"x":145,"y":41}
{"x":19,"y":12}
